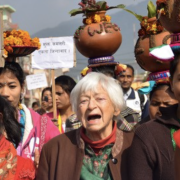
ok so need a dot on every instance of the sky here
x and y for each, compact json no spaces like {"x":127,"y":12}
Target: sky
{"x":35,"y":15}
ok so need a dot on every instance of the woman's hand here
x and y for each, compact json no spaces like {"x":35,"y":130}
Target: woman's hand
{"x":44,"y":105}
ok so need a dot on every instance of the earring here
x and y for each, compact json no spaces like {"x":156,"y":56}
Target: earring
{"x":21,"y":96}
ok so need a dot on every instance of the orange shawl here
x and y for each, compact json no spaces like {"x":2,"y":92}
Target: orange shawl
{"x":13,"y":167}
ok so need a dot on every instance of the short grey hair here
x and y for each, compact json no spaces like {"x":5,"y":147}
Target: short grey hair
{"x":90,"y":83}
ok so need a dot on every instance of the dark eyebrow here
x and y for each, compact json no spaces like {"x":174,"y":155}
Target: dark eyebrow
{"x":9,"y":83}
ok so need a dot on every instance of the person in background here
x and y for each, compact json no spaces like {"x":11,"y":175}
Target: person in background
{"x":151,"y":155}
{"x":134,"y":100}
{"x":35,"y":106}
{"x":12,"y":166}
{"x":46,"y":101}
{"x":36,"y":130}
{"x":67,"y":119}
{"x":160,"y":96}
{"x":97,"y":150}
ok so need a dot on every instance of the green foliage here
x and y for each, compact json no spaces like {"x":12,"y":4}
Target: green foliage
{"x":102,"y":6}
{"x":75,"y":12}
{"x":151,"y":9}
{"x":139,"y":17}
{"x":98,"y":6}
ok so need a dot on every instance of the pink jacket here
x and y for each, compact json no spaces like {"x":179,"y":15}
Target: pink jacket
{"x":41,"y":132}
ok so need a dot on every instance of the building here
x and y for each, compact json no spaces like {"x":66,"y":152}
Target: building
{"x":7,"y":11}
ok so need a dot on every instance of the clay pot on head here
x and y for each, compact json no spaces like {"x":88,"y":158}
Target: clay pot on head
{"x":98,"y":39}
{"x":170,"y":18}
{"x":144,"y":43}
{"x":145,"y":61}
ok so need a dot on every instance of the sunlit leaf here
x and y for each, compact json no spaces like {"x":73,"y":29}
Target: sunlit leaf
{"x":75,"y":12}
{"x":151,"y":9}
{"x":139,"y":17}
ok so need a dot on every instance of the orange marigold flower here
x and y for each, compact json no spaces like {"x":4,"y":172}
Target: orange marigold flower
{"x":153,"y":27}
{"x":18,"y":38}
{"x":18,"y":41}
{"x":35,"y":39}
{"x":108,"y":18}
{"x":4,"y":34}
{"x":9,"y":49}
{"x":97,"y":18}
{"x":88,"y":21}
{"x":14,"y":33}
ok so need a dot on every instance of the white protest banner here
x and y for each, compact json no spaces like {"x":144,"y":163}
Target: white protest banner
{"x":55,"y":53}
{"x":36,"y":81}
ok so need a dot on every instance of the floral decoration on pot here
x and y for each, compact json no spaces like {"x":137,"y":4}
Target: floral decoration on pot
{"x":149,"y":24}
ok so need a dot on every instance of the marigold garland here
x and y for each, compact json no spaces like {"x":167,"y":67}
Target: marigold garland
{"x":96,"y":19}
{"x":150,"y":28}
{"x":18,"y":38}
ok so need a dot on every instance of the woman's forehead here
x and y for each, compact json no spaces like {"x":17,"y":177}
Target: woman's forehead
{"x":8,"y":75}
{"x":94,"y":92}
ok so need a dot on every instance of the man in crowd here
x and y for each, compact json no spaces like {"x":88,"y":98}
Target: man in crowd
{"x":134,"y":100}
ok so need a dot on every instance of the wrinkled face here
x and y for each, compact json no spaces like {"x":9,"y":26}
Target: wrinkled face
{"x":126,"y":79}
{"x":96,"y":111}
{"x":10,"y":88}
{"x":175,"y":83}
{"x":161,"y":98}
{"x":62,"y":98}
{"x":49,"y":95}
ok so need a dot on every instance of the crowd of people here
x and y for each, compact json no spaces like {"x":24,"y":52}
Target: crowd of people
{"x":104,"y":128}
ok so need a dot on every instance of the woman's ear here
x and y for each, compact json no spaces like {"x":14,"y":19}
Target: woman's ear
{"x":22,"y":92}
{"x":116,"y":112}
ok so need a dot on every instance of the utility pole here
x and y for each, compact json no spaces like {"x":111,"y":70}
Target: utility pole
{"x":1,"y":40}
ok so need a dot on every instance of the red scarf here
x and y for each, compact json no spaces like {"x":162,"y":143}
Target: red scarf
{"x":98,"y":145}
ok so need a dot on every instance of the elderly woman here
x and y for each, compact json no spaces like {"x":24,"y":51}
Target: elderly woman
{"x":98,"y":149}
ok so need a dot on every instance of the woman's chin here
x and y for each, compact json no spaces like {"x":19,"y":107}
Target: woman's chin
{"x":93,"y":127}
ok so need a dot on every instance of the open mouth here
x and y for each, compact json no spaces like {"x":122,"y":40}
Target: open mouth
{"x":93,"y":117}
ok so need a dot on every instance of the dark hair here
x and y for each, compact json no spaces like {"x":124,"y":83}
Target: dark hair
{"x":129,"y":66}
{"x":9,"y":122}
{"x":44,"y":90}
{"x":106,"y":69}
{"x":159,"y":87}
{"x":66,"y":82}
{"x":16,"y":69}
{"x":35,"y":103}
{"x":174,"y":64}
